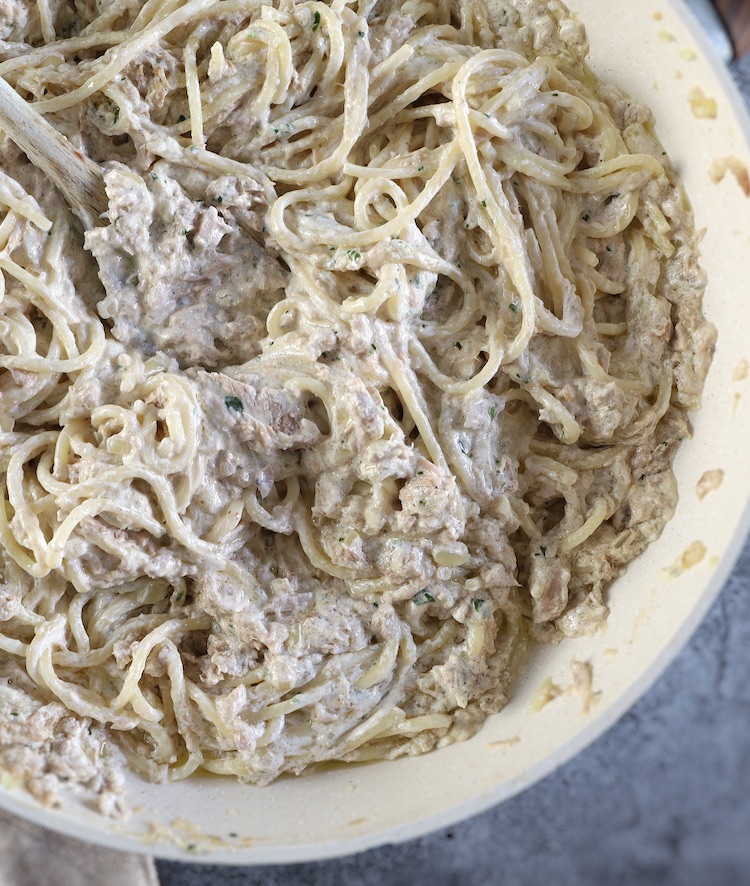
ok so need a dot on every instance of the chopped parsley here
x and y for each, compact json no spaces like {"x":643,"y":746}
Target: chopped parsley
{"x":586,"y":216}
{"x":361,"y":33}
{"x":316,"y":21}
{"x":181,"y":118}
{"x":234,"y":404}
{"x":374,"y":346}
{"x":492,"y":411}
{"x":76,"y":58}
{"x":420,"y":169}
{"x":14,"y":713}
{"x":478,"y":604}
{"x":459,"y":346}
{"x":354,"y":254}
{"x":513,"y":307}
{"x":422,"y":502}
{"x":422,"y":597}
{"x":117,"y":114}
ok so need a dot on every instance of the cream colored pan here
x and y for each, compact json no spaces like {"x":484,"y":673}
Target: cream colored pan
{"x":654,"y":51}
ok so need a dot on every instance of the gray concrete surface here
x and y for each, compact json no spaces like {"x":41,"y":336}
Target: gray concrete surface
{"x":663,"y":799}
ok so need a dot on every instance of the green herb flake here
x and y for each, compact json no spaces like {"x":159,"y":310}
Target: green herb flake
{"x":513,"y":307}
{"x":219,"y":199}
{"x":420,"y":169}
{"x":181,"y":118}
{"x":609,"y":249}
{"x":117,"y":114}
{"x":422,"y":502}
{"x":422,"y":597}
{"x":77,"y":59}
{"x":586,"y":216}
{"x":354,"y":254}
{"x":543,"y":550}
{"x":492,"y":411}
{"x":14,"y":713}
{"x":556,"y":94}
{"x":484,"y":203}
{"x":478,"y":604}
{"x":154,"y":177}
{"x":316,"y":21}
{"x":374,"y":347}
{"x":361,"y":33}
{"x":234,"y":404}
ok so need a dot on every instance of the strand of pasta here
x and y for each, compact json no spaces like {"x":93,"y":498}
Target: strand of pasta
{"x":503,"y":231}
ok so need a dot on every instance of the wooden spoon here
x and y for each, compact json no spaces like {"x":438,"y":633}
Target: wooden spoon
{"x":79,"y":179}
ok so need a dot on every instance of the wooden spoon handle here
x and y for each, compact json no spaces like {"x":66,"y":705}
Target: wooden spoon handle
{"x":78,"y":178}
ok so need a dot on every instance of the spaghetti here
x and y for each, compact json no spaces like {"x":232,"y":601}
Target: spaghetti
{"x":372,"y":374}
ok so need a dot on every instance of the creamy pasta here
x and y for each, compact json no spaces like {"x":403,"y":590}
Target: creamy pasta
{"x":370,"y":376}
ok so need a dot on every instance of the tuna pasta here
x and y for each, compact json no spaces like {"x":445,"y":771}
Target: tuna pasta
{"x":370,"y":376}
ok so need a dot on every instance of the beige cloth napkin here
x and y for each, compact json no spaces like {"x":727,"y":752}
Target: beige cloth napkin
{"x":34,"y":856}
